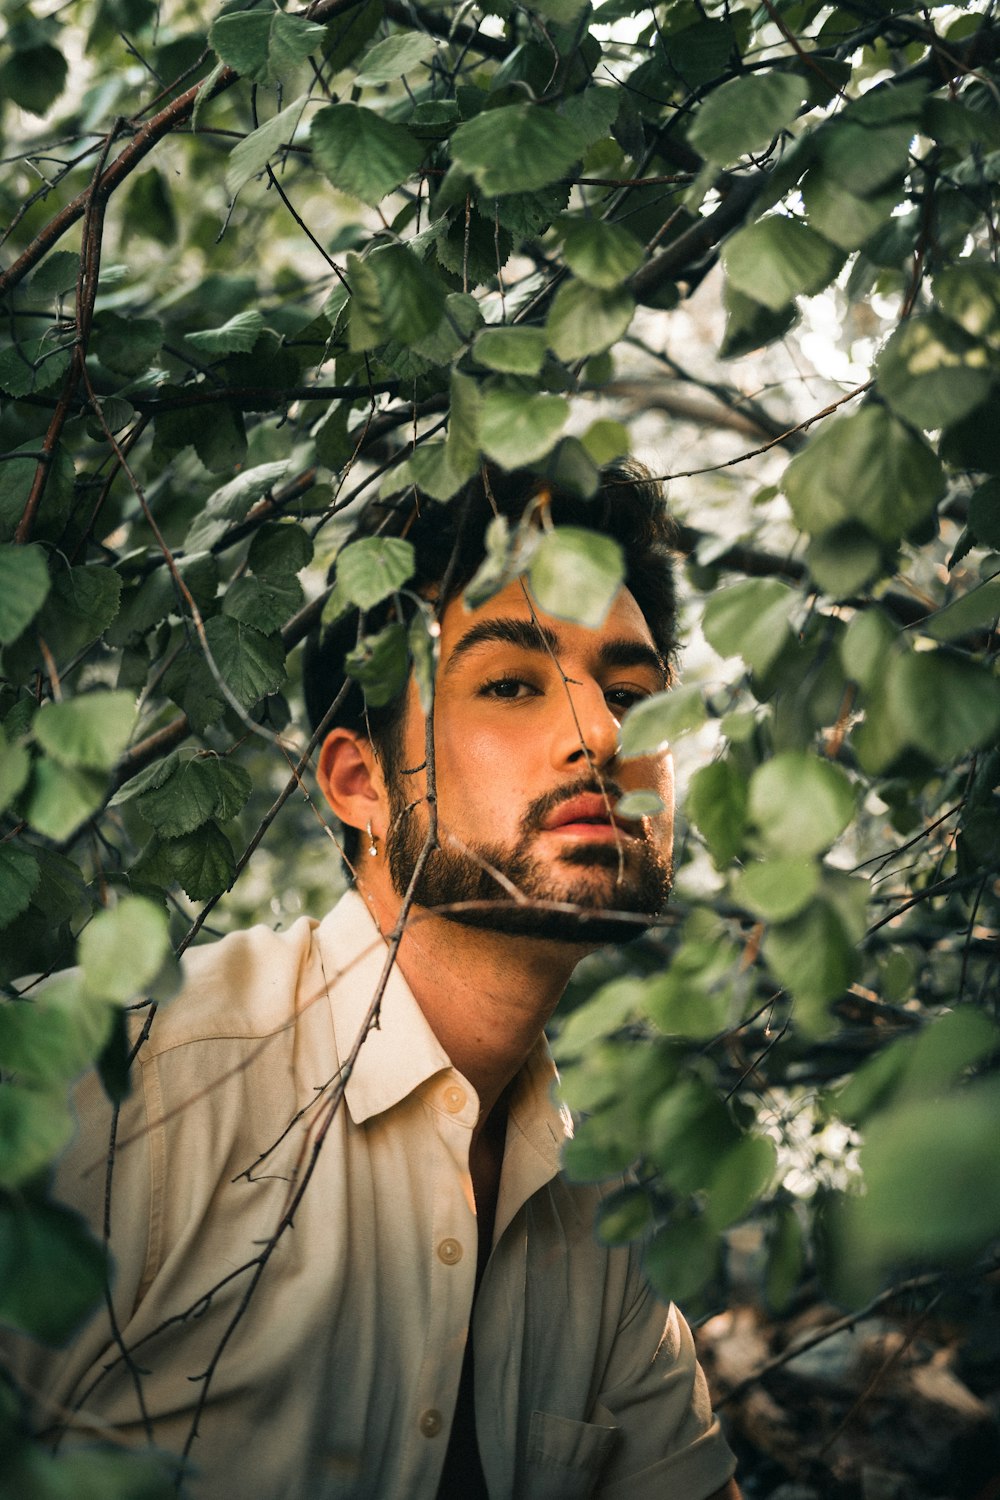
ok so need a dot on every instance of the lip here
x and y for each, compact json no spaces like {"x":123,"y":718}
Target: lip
{"x":586,"y":816}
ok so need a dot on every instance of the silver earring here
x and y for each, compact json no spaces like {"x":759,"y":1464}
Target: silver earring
{"x":372,"y":840}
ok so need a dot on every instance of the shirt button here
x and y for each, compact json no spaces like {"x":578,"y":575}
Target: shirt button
{"x":450,"y":1251}
{"x":430,"y":1423}
{"x":454,"y":1099}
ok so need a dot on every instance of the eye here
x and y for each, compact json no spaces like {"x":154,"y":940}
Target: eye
{"x":622,"y":697}
{"x":508,"y":689}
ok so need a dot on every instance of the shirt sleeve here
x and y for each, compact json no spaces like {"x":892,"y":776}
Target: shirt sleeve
{"x":670,"y":1444}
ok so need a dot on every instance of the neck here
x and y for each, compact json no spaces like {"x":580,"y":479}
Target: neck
{"x":486,"y":995}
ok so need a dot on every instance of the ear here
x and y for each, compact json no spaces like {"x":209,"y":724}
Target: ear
{"x":350,"y":779}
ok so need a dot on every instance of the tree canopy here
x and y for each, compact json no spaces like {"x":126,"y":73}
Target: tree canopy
{"x":260,"y":267}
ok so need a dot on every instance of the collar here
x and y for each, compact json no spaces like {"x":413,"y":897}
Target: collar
{"x":402,"y":1053}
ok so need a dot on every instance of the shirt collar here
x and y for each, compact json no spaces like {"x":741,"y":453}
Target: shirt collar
{"x":402,"y":1052}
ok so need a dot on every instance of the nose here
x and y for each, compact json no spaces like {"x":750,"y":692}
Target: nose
{"x":588,"y":732}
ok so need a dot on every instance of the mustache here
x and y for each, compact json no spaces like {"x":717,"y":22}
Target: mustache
{"x":537,"y":811}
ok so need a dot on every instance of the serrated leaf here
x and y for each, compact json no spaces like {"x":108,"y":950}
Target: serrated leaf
{"x":411,"y":297}
{"x":516,"y":148}
{"x":866,"y":467}
{"x":19,"y":877}
{"x":371,"y":569}
{"x":123,"y":948}
{"x":292,"y":39}
{"x":24,"y":583}
{"x":192,"y":795}
{"x":800,"y":804}
{"x":89,"y":731}
{"x":519,"y":427}
{"x":127,"y":346}
{"x":654,"y":723}
{"x":750,"y":619}
{"x":576,"y":574}
{"x":202,"y":863}
{"x":978,"y":609}
{"x":390,"y":59}
{"x":82,"y":603}
{"x":361,"y":153}
{"x":280,"y":550}
{"x":45,"y":1246}
{"x":584,"y":319}
{"x":512,"y":351}
{"x":743,"y":116}
{"x":251,"y":663}
{"x":267,"y":604}
{"x":242,"y":39}
{"x":598,"y":253}
{"x":232,"y":501}
{"x":252,"y":154}
{"x":778,"y":259}
{"x":237,"y":336}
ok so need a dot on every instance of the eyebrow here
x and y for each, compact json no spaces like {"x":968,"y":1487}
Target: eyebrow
{"x":527,"y":635}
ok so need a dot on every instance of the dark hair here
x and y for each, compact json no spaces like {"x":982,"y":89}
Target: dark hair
{"x":449,"y":546}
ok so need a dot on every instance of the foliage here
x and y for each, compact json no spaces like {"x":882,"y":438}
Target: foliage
{"x":255,"y":269}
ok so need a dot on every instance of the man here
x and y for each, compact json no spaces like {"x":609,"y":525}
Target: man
{"x":346,"y":1262}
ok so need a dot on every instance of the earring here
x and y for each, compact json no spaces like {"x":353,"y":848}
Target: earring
{"x":372,"y":840}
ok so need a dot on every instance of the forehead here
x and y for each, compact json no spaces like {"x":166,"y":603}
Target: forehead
{"x":623,"y":621}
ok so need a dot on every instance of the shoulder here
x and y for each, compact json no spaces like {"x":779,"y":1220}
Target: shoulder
{"x":247,"y":984}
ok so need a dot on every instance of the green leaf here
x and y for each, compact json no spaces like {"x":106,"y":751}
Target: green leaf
{"x":197,"y":790}
{"x":361,"y":153}
{"x":292,"y":39}
{"x":280,"y":550}
{"x":34,"y":1128}
{"x":391,"y":59}
{"x":252,"y":154}
{"x":750,"y":619}
{"x":238,"y":335}
{"x":840,"y":216}
{"x":516,"y":149}
{"x":250,"y":662}
{"x":717,"y":805}
{"x":381,"y":664}
{"x":934,"y":701}
{"x":865,"y":646}
{"x":606,"y":440}
{"x":241,"y":39}
{"x":969,"y":293}
{"x":89,"y":731}
{"x":654,"y":723}
{"x":267,"y":605}
{"x":61,"y":798}
{"x":127,"y":346}
{"x":866,"y":467}
{"x":34,"y":77}
{"x":123,"y":948}
{"x":743,"y":116}
{"x":24,"y":583}
{"x":932,"y":373}
{"x":33,"y":366}
{"x":932,"y":1177}
{"x":371,"y":569}
{"x":741,"y":1177}
{"x":81,"y":605}
{"x":512,"y":351}
{"x":863,"y":159}
{"x":519,"y":427}
{"x":680,"y":1259}
{"x":576,"y":574}
{"x":49,"y":1041}
{"x":584,"y":319}
{"x":800,"y":804}
{"x":231,"y":502}
{"x":984,"y":514}
{"x":778,"y":259}
{"x":785,"y":1257}
{"x":19,"y":877}
{"x":411,"y":297}
{"x":15,"y":767}
{"x":842,"y":561}
{"x":44,"y":1246}
{"x":639,"y":804}
{"x":598,"y":253}
{"x":776,"y":889}
{"x":813,"y":956}
{"x":202,"y":863}
{"x":974,"y":611}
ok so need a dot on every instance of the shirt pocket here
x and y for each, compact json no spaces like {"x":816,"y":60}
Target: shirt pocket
{"x":565,"y":1458}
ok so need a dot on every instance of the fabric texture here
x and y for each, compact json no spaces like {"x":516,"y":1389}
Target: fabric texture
{"x":327,"y":1344}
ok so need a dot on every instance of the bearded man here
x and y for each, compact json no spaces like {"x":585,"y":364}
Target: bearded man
{"x":347,"y":1263}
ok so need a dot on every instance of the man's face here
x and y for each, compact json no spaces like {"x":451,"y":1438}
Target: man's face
{"x":526,"y":725}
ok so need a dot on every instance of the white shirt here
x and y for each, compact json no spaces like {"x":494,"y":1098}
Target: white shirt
{"x":339,"y":1376}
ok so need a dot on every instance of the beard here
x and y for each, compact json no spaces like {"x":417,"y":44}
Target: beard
{"x":610,"y":884}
